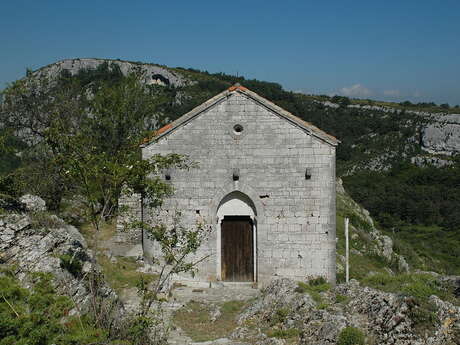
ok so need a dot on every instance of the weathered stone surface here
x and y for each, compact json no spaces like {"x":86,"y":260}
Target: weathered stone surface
{"x":443,"y":135}
{"x":294,"y":215}
{"x":152,"y":74}
{"x":33,"y":203}
{"x":386,"y":318}
{"x":30,"y":249}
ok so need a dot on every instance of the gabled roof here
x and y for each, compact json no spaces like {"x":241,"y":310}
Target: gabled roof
{"x":237,"y":88}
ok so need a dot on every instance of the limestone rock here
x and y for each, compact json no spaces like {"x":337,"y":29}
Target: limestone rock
{"x":151,"y":74}
{"x":386,"y":318}
{"x":339,"y":186}
{"x":442,"y":136}
{"x":403,"y":266}
{"x":33,"y":203}
{"x":29,"y":249}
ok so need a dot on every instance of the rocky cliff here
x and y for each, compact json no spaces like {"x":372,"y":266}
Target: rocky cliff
{"x":35,"y":241}
{"x":151,"y":74}
{"x":438,"y":135}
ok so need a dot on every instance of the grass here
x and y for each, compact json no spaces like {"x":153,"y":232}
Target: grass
{"x":195,"y":320}
{"x":92,"y":237}
{"x":351,"y":336}
{"x":418,"y":285}
{"x":341,"y":299}
{"x":44,"y":219}
{"x":122,"y":274}
{"x":433,"y":248}
{"x":283,"y":333}
{"x":38,"y":315}
{"x":314,"y":287}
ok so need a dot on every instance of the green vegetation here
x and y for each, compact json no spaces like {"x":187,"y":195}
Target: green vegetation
{"x":283,"y":333}
{"x":279,"y":316}
{"x":40,"y":316}
{"x":314,"y":287}
{"x":71,"y":264}
{"x":341,"y":299}
{"x":419,"y":208}
{"x":195,"y":320}
{"x":122,"y":273}
{"x":351,"y":336}
{"x":361,"y":265}
{"x":417,"y":285}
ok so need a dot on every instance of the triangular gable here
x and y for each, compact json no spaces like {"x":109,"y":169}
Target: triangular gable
{"x":313,"y":130}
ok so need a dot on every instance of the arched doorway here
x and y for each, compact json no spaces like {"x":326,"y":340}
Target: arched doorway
{"x":236,"y":238}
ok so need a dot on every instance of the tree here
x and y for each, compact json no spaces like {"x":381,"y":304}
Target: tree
{"x":91,"y":137}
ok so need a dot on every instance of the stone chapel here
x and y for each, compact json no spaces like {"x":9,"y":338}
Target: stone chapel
{"x":265,"y":183}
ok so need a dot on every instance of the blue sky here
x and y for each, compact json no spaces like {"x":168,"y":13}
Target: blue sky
{"x":391,"y":50}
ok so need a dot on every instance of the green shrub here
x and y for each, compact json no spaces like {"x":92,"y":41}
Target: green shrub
{"x":44,"y":219}
{"x":71,"y":264}
{"x":323,"y":305}
{"x":279,"y":316}
{"x":351,"y":336}
{"x":313,"y":288}
{"x":39,"y":316}
{"x":418,"y":285}
{"x":283,"y":333}
{"x":341,"y":299}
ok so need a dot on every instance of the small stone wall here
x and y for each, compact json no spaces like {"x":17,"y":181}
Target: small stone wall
{"x":130,"y":206}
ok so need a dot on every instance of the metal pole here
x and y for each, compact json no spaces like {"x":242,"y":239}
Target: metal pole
{"x":347,"y":255}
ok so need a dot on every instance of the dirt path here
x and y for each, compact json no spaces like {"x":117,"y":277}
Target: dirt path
{"x":205,"y":313}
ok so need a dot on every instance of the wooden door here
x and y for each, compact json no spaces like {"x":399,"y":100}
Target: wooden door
{"x":237,"y":249}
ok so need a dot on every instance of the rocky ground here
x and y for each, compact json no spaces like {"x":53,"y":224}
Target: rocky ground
{"x":284,"y":314}
{"x":35,"y":241}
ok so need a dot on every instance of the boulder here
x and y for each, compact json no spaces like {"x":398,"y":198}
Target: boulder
{"x":33,"y":203}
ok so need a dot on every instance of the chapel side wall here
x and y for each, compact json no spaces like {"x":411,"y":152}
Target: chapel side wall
{"x":296,"y":217}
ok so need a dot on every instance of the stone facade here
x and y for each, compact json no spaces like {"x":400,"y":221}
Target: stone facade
{"x":256,"y":159}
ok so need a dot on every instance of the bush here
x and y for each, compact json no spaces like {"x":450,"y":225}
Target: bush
{"x":284,"y":333}
{"x":71,"y":264}
{"x":421,"y":286}
{"x":313,"y":288}
{"x":341,"y":299}
{"x":279,"y":316}
{"x":350,"y":336}
{"x":45,"y":220}
{"x":40,"y":316}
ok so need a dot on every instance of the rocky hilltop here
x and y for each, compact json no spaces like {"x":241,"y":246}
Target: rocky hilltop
{"x":438,"y":136}
{"x":151,"y":74}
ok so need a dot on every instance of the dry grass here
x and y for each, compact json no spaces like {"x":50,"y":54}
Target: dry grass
{"x":195,"y":320}
{"x":106,"y":232}
{"x":122,"y":274}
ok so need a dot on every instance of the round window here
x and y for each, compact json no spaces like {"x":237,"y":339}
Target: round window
{"x":237,"y":129}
